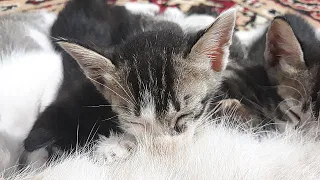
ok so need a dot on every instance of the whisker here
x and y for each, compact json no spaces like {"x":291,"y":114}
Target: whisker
{"x":293,"y":88}
{"x":209,"y":114}
{"x":93,"y":135}
{"x":255,"y":104}
{"x":93,"y":127}
{"x":134,"y":99}
{"x":260,"y":108}
{"x":131,"y":97}
{"x":301,"y":84}
{"x":125,"y":99}
{"x":110,"y":118}
{"x":285,"y":100}
{"x":289,"y":109}
{"x":77,"y":141}
{"x":107,"y":105}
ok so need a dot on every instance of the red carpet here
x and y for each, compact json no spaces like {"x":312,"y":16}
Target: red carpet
{"x":251,"y":12}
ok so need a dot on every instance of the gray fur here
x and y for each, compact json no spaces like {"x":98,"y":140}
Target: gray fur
{"x":14,"y":33}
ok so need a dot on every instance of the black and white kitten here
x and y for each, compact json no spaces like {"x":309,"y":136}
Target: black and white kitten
{"x":140,"y":73}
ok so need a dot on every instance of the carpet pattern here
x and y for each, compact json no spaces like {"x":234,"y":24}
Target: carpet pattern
{"x":251,"y":12}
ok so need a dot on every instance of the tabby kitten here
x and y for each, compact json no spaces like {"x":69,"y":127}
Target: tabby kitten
{"x":276,"y":84}
{"x":142,"y":74}
{"x":291,"y":59}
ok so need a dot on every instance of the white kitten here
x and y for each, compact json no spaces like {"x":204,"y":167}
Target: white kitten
{"x":30,"y":74}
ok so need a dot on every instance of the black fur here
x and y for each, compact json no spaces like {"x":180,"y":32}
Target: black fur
{"x":79,"y":112}
{"x":307,"y":38}
{"x":128,"y":40}
{"x":310,"y":45}
{"x":251,"y":85}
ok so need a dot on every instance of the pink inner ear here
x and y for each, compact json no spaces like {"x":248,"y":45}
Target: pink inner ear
{"x":216,"y":57}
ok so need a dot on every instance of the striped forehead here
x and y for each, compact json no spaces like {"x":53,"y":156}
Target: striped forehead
{"x":150,"y":70}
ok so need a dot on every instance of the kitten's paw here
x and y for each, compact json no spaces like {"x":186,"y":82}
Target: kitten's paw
{"x":230,"y":103}
{"x":142,"y":8}
{"x":115,"y":148}
{"x":35,"y":159}
{"x":235,"y":107}
{"x":5,"y":157}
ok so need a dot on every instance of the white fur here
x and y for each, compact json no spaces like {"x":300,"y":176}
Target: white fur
{"x":212,"y":153}
{"x":29,"y":83}
{"x":192,"y":23}
{"x":41,"y":39}
{"x":115,"y":148}
{"x":37,"y":158}
{"x":318,"y":33}
{"x":142,"y":8}
{"x":9,"y":153}
{"x":248,"y":37}
{"x":49,"y":18}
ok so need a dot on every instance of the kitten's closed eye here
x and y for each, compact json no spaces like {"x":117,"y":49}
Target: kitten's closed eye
{"x":296,"y":115}
{"x":181,"y":121}
{"x":183,"y":116}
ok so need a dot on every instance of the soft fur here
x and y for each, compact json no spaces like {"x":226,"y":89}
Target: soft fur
{"x":133,"y":71}
{"x":201,"y":151}
{"x":30,"y":73}
{"x":291,"y":55}
{"x":292,"y":60}
{"x":213,"y":152}
{"x":277,"y":80}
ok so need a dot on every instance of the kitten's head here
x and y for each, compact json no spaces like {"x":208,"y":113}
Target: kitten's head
{"x":286,"y":65}
{"x":157,"y":81}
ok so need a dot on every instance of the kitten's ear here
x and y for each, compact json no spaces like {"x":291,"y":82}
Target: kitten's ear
{"x":92,"y":63}
{"x":282,"y":47}
{"x":213,"y":46}
{"x":99,"y":69}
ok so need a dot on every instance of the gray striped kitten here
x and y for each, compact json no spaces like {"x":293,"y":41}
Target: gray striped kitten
{"x":158,"y":80}
{"x":276,"y":85}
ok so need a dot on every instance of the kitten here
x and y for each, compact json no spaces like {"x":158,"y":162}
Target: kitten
{"x":291,"y":59}
{"x":275,"y":82}
{"x":30,"y":74}
{"x":142,"y":74}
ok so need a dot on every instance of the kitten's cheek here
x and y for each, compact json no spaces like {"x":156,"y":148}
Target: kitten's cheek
{"x":145,"y":129}
{"x":136,"y":129}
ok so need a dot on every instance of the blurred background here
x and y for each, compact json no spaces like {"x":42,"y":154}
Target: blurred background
{"x":251,"y":12}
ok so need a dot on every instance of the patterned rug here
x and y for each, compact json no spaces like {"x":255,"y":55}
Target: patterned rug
{"x":251,"y":12}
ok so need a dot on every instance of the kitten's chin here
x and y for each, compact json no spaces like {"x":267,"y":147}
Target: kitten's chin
{"x":142,"y":131}
{"x":157,"y":133}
